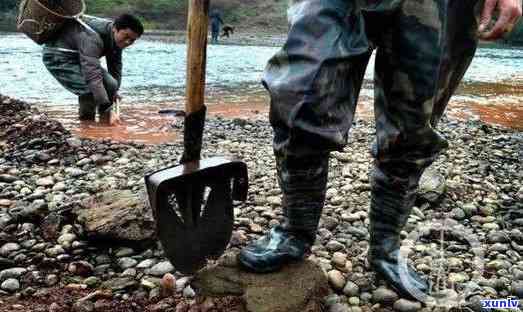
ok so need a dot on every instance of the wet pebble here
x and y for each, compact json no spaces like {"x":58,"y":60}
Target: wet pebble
{"x":384,"y":295}
{"x":10,"y":285}
{"x":404,"y":305}
{"x":161,"y":269}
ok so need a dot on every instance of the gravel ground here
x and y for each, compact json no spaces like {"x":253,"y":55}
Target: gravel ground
{"x":43,"y":169}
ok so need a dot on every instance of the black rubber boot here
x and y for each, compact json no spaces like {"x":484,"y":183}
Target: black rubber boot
{"x":392,"y":200}
{"x":303,"y":183}
{"x":272,"y":251}
{"x":86,"y":107}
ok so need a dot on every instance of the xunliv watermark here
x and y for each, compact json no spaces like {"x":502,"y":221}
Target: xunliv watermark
{"x":509,"y":303}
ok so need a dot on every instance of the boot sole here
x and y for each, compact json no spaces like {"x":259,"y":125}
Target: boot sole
{"x":265,"y":269}
{"x":403,"y":294}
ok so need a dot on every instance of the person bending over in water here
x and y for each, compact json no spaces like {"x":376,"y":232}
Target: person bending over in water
{"x":73,"y":58}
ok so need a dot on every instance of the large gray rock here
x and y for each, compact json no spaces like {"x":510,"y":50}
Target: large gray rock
{"x":432,"y":186}
{"x":117,"y":216}
{"x":297,"y":287}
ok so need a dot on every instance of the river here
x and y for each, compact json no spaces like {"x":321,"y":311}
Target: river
{"x":154,"y":78}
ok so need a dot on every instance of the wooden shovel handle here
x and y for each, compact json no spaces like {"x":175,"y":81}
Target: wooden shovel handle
{"x":197,"y":25}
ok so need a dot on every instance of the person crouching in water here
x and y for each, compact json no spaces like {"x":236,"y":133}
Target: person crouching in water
{"x":73,"y":58}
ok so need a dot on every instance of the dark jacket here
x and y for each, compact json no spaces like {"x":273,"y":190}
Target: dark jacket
{"x":216,"y":21}
{"x":92,"y":46}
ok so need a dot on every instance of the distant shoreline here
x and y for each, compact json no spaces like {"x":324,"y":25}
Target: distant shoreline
{"x":247,"y":38}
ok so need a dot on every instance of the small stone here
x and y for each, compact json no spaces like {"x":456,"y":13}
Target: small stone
{"x":470,"y":209}
{"x":92,"y":282}
{"x":66,"y":240}
{"x":82,"y":268}
{"x":181,"y":283}
{"x":83,"y":162}
{"x":10,"y":285}
{"x":155,"y":293}
{"x":129,"y":273}
{"x":384,"y":295}
{"x":6,"y":178}
{"x":12,"y":273}
{"x":256,"y":228}
{"x":458,"y":214}
{"x":51,"y":280}
{"x":83,"y":306}
{"x":54,"y":307}
{"x":339,"y":307}
{"x":334,"y":246}
{"x":354,"y":301}
{"x":126,"y":263}
{"x":404,"y":305}
{"x":5,"y":203}
{"x":498,"y":264}
{"x":517,"y":289}
{"x":5,"y":219}
{"x":124,"y":252}
{"x":75,"y":172}
{"x":145,"y":264}
{"x":274,"y":200}
{"x":490,"y":226}
{"x":122,"y":283}
{"x":168,"y":285}
{"x":8,"y":248}
{"x":336,"y":279}
{"x":161,"y":269}
{"x":55,"y":251}
{"x":148,"y":284}
{"x":47,"y":181}
{"x":103,"y":259}
{"x":351,"y":289}
{"x":188,"y":292}
{"x":339,"y":259}
{"x":59,"y":187}
{"x":498,"y":237}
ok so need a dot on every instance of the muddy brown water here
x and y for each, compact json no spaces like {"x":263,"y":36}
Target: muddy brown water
{"x":498,"y":104}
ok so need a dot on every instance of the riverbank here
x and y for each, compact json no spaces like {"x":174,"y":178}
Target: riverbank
{"x":45,"y":170}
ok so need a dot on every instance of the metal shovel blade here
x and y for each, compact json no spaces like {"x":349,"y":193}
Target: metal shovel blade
{"x":193,"y":207}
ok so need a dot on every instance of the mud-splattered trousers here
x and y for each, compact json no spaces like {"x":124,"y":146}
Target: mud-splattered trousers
{"x":423,"y":48}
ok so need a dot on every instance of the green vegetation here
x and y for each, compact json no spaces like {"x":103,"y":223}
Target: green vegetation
{"x":171,"y":14}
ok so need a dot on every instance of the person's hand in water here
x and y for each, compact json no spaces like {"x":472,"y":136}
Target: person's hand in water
{"x":509,"y":13}
{"x":117,"y":98}
{"x":110,"y":117}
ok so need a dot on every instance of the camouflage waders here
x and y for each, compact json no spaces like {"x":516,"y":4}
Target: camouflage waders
{"x":423,"y":50}
{"x":65,"y":67}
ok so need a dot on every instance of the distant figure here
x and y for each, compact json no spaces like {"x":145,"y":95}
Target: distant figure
{"x":216,"y":22}
{"x":227,"y":30}
{"x":73,"y":58}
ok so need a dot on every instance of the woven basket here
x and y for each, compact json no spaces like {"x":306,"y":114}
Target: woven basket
{"x":40,"y":20}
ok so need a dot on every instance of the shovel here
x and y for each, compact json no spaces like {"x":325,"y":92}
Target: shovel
{"x":192,"y":203}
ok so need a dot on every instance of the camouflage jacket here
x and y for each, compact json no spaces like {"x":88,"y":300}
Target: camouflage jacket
{"x":92,"y":46}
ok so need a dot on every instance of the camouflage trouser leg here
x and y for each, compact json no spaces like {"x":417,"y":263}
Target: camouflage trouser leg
{"x":314,"y":82}
{"x":424,"y":48}
{"x":422,"y":55}
{"x":303,"y":183}
{"x":65,"y":68}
